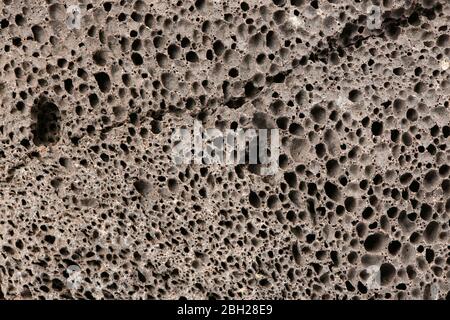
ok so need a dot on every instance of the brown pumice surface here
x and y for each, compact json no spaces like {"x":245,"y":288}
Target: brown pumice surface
{"x":93,"y":206}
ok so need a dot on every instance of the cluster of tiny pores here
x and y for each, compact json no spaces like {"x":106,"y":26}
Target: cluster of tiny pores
{"x":87,"y":185}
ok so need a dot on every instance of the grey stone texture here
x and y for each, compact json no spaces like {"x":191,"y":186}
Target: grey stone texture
{"x":92,"y":205}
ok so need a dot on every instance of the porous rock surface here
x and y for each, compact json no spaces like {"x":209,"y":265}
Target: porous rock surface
{"x":91,"y":205}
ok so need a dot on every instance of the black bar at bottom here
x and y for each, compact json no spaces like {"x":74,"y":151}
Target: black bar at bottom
{"x":189,"y":309}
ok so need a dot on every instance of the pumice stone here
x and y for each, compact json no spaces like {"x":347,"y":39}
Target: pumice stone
{"x":224,"y":149}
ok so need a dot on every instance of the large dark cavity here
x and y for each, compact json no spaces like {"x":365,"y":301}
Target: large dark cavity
{"x":46,"y":126}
